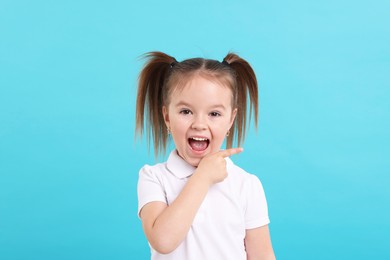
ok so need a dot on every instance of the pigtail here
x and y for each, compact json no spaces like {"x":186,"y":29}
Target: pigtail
{"x":151,"y":85}
{"x":246,"y":85}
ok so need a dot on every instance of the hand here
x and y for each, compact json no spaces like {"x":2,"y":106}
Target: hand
{"x":213,"y":166}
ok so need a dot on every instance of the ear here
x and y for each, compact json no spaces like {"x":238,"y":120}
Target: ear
{"x":165,"y":116}
{"x":234,"y":113}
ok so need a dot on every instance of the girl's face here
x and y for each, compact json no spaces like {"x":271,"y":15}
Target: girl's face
{"x":199,"y":116}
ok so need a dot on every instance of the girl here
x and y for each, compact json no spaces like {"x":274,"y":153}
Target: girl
{"x":198,"y":204}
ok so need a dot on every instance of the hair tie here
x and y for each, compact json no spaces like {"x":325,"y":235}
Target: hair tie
{"x":173,"y":63}
{"x":225,"y":62}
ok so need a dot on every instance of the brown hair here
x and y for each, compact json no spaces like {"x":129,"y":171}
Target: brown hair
{"x":162,"y":74}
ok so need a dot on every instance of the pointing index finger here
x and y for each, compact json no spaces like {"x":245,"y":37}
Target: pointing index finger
{"x":231,"y":151}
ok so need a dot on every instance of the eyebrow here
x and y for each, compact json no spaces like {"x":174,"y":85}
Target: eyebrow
{"x":182,"y":103}
{"x":218,"y":106}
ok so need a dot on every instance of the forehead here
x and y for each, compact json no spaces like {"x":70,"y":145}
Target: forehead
{"x":202,"y":92}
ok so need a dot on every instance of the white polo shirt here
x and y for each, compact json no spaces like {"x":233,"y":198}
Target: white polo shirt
{"x":229,"y":208}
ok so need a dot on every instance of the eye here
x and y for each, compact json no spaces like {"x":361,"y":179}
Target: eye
{"x":214,"y":114}
{"x":185,"y":111}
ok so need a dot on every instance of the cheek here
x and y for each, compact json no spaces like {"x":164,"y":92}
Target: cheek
{"x":179,"y":127}
{"x":220,"y":134}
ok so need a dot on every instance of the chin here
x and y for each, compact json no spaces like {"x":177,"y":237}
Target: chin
{"x":194,"y":162}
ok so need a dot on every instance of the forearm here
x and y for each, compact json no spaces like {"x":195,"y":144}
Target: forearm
{"x":172,"y":225}
{"x":265,"y":256}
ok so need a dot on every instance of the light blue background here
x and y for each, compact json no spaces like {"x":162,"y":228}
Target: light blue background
{"x":68,"y":160}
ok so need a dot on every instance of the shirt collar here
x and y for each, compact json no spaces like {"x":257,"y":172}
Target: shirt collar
{"x":178,"y":167}
{"x":181,"y":169}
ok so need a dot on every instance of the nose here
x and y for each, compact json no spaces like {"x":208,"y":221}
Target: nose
{"x":199,"y":123}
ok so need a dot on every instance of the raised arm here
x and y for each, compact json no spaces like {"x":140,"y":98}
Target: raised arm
{"x":166,"y":226}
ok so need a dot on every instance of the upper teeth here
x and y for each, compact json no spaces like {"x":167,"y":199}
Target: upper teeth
{"x":199,"y":139}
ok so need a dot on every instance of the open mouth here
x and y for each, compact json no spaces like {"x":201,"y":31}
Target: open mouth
{"x":198,"y":143}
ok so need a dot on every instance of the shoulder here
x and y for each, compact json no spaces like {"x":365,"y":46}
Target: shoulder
{"x":153,"y":170}
{"x":239,"y":174}
{"x":159,"y":167}
{"x":248,"y":185}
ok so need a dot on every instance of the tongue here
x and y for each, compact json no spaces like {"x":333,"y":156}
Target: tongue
{"x":198,"y":145}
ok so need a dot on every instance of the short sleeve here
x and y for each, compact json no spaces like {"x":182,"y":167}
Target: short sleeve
{"x":149,"y":188}
{"x":256,"y":212}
